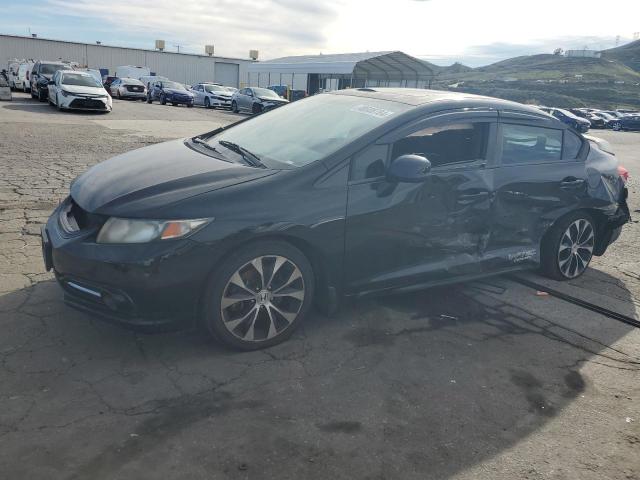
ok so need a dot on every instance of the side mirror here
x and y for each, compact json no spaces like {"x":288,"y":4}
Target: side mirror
{"x":409,"y":169}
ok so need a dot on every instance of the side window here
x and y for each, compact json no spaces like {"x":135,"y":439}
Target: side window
{"x":446,"y":144}
{"x":370,"y":163}
{"x":527,"y":144}
{"x":572,"y":145}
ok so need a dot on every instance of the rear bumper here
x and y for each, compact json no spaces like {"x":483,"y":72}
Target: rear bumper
{"x":611,"y":230}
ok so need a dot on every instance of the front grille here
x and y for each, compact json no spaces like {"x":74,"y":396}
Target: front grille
{"x":88,"y":103}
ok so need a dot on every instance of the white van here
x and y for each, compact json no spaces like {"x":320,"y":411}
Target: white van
{"x":21,"y":81}
{"x":132,"y":72}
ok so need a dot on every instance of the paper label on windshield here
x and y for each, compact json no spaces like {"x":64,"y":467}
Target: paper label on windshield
{"x":372,"y":111}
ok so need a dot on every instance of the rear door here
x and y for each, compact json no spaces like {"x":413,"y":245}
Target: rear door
{"x":401,"y":234}
{"x":540,"y":177}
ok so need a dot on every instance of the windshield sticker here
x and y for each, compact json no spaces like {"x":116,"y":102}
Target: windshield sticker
{"x":372,"y":111}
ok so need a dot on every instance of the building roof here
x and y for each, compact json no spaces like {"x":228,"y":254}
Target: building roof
{"x":388,"y":65}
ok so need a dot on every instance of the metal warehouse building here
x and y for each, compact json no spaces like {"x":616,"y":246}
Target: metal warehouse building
{"x":181,"y":67}
{"x":315,"y":73}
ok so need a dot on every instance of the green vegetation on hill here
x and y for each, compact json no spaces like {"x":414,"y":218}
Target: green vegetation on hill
{"x":611,"y":81}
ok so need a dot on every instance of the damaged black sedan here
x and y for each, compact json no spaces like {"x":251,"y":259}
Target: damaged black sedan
{"x":347,"y":193}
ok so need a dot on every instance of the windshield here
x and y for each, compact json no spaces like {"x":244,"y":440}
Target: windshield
{"x":308,"y":130}
{"x":174,"y":85}
{"x":264,"y":92}
{"x":51,"y":68}
{"x":215,"y":88}
{"x":79,"y":80}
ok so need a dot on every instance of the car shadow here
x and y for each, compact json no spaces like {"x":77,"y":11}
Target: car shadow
{"x":36,"y":106}
{"x":420,"y":385}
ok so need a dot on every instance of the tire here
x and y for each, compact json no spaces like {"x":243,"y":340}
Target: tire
{"x":234,"y":107}
{"x":118,"y":96}
{"x":25,"y":89}
{"x":41,"y":97}
{"x":567,"y":247}
{"x":257,"y":321}
{"x":207,"y":103}
{"x":163,"y":100}
{"x":189,"y":105}
{"x":617,"y":127}
{"x":256,"y":108}
{"x":58,"y":103}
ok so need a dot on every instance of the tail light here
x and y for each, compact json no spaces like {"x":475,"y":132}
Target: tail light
{"x":624,"y":173}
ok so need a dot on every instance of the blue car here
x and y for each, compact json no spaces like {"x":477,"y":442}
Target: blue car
{"x":582,"y":125}
{"x":630,"y":122}
{"x":166,"y":91}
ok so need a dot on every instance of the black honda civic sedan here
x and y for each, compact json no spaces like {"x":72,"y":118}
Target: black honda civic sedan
{"x":345,"y":193}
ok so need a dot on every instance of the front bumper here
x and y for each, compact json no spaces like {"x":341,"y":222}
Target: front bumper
{"x":179,"y":100}
{"x":219,"y":102}
{"x":72,"y":102}
{"x":152,"y":285}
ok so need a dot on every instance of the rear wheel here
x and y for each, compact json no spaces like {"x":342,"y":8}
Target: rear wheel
{"x":163,"y":100}
{"x":568,"y":247}
{"x":259,"y":295}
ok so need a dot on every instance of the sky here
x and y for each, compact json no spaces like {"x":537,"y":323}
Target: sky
{"x":473,"y":32}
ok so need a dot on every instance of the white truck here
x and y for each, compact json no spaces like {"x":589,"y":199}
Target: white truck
{"x":130,"y":71}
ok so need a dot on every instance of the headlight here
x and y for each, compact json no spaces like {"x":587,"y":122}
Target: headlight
{"x":65,"y":93}
{"x":124,"y":230}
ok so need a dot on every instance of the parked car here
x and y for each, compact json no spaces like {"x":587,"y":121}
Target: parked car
{"x":256,"y":100}
{"x":107,"y":81}
{"x":628,"y":122}
{"x":123,"y":88}
{"x":371,"y":190}
{"x":21,"y":80}
{"x":41,"y":74}
{"x":580,"y":124}
{"x":73,"y":90}
{"x":211,"y":95}
{"x":172,"y":92}
{"x":596,"y":121}
{"x":607,"y":118}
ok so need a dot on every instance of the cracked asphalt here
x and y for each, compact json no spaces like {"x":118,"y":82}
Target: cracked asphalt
{"x":487,"y":380}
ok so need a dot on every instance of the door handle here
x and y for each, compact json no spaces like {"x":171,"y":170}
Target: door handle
{"x":571,"y":182}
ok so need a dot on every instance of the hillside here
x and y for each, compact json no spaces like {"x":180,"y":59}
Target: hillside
{"x":606,"y":82}
{"x":552,"y":67}
{"x":628,"y":55}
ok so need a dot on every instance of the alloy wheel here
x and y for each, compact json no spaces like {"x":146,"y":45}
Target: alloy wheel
{"x":576,"y":248}
{"x":262,"y":298}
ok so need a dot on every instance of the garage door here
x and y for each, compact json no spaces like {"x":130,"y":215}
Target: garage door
{"x":227,"y":74}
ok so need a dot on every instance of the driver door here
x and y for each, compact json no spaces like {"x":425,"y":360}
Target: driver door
{"x":401,"y":234}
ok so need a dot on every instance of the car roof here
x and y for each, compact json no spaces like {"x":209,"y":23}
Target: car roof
{"x":419,"y":97}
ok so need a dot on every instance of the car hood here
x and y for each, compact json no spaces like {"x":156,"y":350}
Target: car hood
{"x":173,"y":90}
{"x":85,"y":90}
{"x":221,"y":94}
{"x":141,"y":182}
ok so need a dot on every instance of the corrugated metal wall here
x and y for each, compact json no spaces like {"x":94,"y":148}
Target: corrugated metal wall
{"x":179,"y":67}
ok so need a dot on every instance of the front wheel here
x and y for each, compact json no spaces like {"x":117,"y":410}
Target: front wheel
{"x":256,"y":108}
{"x":617,"y":127}
{"x":163,"y":100}
{"x":234,"y":107}
{"x":41,"y":96}
{"x":259,"y":295}
{"x":567,"y":248}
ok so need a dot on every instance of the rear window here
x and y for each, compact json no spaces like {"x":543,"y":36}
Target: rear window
{"x":528,"y":144}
